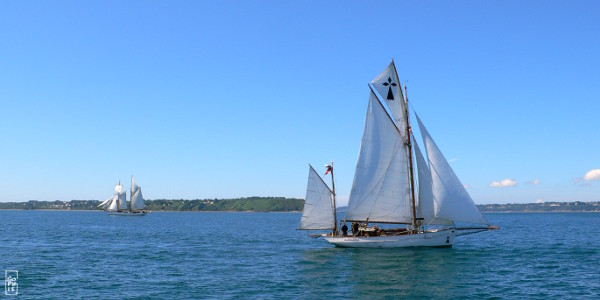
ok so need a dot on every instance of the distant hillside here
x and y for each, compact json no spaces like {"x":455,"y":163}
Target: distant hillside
{"x":542,"y":207}
{"x":241,"y":204}
{"x":273,"y":204}
{"x":277,"y":204}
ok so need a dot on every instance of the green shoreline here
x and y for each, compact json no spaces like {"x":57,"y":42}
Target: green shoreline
{"x":251,"y":204}
{"x":278,"y":204}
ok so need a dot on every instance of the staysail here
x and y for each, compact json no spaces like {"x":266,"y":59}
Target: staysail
{"x":318,"y":206}
{"x":381,"y":188}
{"x":453,"y":202}
{"x":427,"y":205}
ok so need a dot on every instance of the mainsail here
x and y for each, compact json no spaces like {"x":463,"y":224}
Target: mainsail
{"x":136,"y":198}
{"x":381,"y":188}
{"x":318,"y":206}
{"x":453,"y":202}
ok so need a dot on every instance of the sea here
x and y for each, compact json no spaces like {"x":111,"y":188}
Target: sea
{"x":238,"y":255}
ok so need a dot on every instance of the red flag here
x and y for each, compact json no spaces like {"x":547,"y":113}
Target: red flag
{"x":329,"y":169}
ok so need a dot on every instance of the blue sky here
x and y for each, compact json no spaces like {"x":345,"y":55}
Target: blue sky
{"x":228,"y":99}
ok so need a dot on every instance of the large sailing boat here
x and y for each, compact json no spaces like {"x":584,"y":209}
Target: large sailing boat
{"x":431,"y":210}
{"x":117,"y":204}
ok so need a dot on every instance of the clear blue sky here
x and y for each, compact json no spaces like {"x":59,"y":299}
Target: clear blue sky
{"x":225,"y":99}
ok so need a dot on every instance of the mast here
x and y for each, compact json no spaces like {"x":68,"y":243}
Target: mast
{"x":410,"y":159}
{"x":119,"y":199}
{"x":330,"y":167}
{"x":131,"y":195}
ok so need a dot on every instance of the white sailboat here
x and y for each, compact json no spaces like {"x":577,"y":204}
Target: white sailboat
{"x":431,"y":211}
{"x":117,"y":204}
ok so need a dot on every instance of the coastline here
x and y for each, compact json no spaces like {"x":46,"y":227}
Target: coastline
{"x":291,"y":211}
{"x":540,"y":211}
{"x":161,"y":211}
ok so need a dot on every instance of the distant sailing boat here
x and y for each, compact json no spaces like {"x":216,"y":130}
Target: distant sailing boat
{"x":434,"y":209}
{"x":117,"y":202}
{"x":116,"y":205}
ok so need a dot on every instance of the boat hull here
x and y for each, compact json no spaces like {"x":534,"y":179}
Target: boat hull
{"x":127,"y":213}
{"x":442,"y":238}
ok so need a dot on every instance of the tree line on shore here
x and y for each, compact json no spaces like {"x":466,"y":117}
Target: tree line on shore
{"x":274,"y":204}
{"x":280,"y":204}
{"x":576,"y":206}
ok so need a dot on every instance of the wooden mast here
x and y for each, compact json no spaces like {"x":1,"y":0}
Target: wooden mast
{"x":410,"y":159}
{"x":131,"y":195}
{"x":409,"y":145}
{"x":119,"y":198}
{"x":334,"y":233}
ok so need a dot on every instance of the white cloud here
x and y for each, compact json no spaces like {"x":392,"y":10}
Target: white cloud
{"x":503,"y":183}
{"x":592,"y":175}
{"x":534,"y":182}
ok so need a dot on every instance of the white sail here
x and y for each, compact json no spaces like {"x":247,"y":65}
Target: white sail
{"x":425,"y":207}
{"x":118,"y":188}
{"x":427,"y":204}
{"x":388,"y":87}
{"x":136,"y":198}
{"x":123,"y":200}
{"x":134,"y":187}
{"x":105,"y":202}
{"x":318,"y":206}
{"x":113,"y":203}
{"x":381,"y":189}
{"x":454,"y":204}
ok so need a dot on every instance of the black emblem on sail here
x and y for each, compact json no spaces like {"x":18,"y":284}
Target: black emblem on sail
{"x":390,"y":84}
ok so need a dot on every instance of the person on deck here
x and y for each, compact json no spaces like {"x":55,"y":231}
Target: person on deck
{"x":345,"y":230}
{"x":354,"y":228}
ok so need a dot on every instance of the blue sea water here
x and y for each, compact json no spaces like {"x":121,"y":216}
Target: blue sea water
{"x":75,"y":255}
